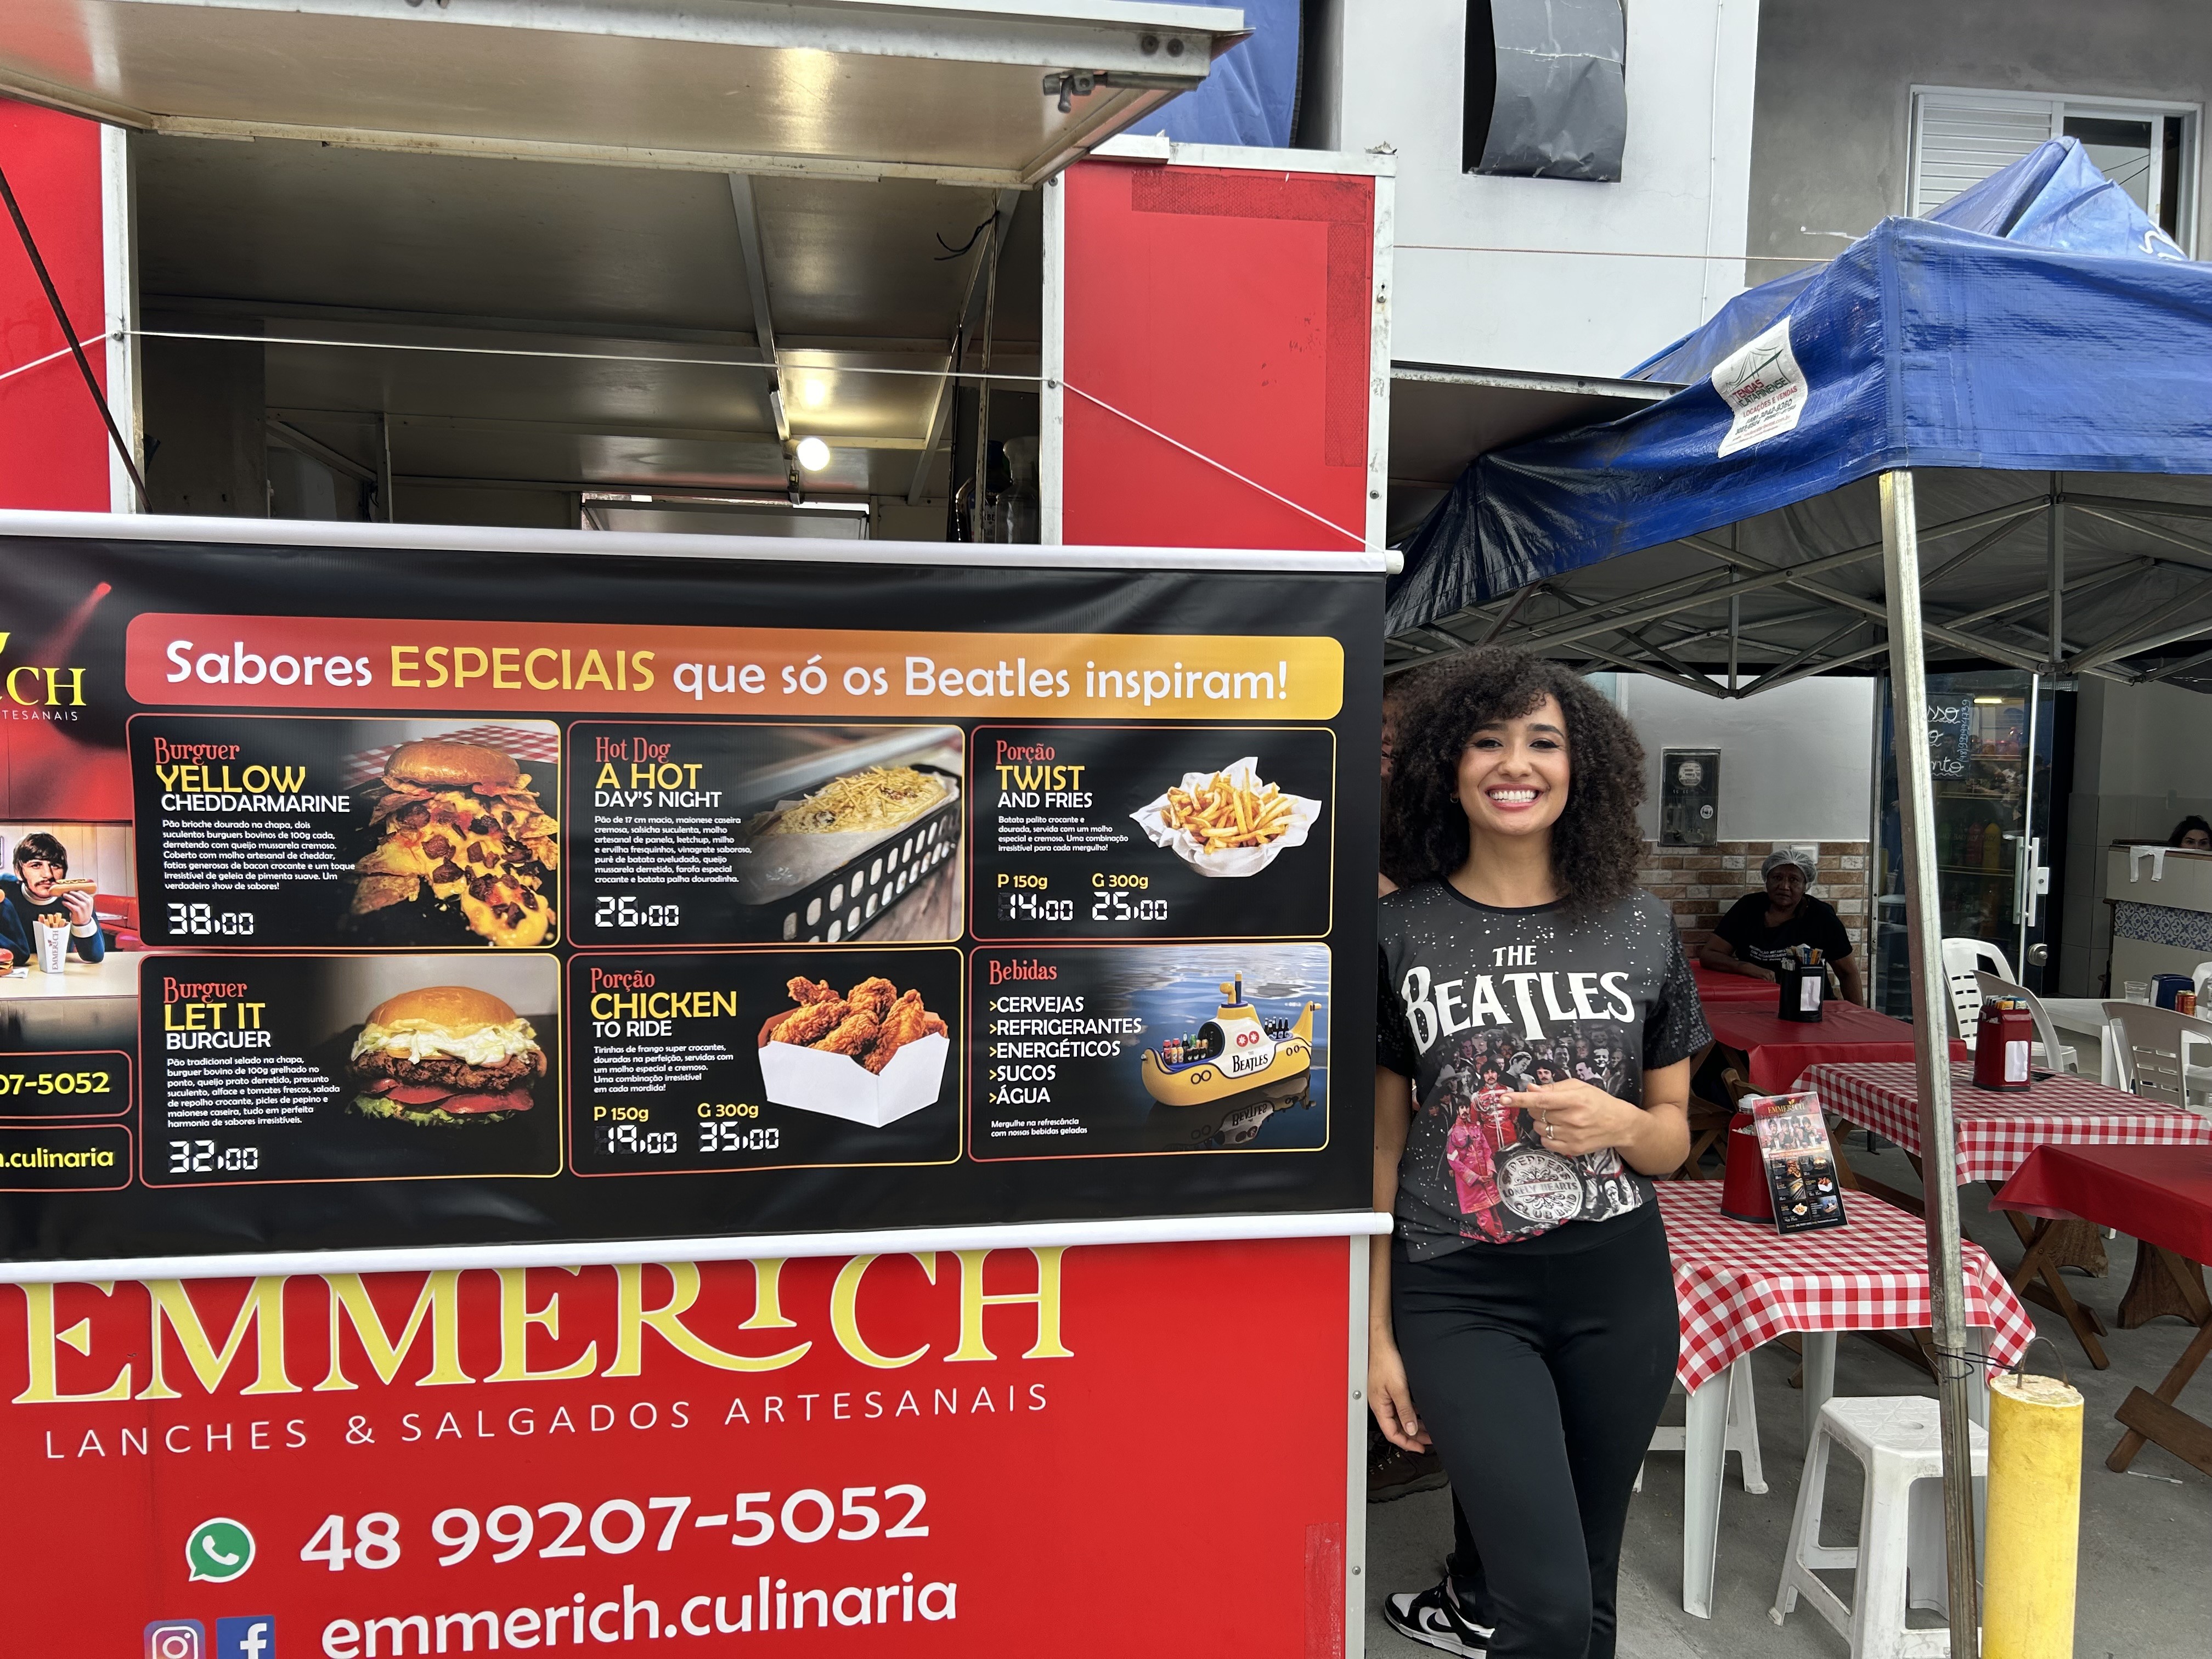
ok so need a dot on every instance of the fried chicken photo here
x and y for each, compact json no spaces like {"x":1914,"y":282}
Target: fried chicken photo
{"x":802,"y":1027}
{"x":876,"y":995}
{"x":907,"y":1021}
{"x":855,"y":1036}
{"x":870,"y":1024}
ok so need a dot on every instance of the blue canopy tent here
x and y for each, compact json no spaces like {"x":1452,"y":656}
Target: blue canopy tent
{"x":2038,"y":324}
{"x":1851,"y":470}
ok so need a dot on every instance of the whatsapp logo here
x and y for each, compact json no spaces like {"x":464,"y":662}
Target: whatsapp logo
{"x":218,"y":1550}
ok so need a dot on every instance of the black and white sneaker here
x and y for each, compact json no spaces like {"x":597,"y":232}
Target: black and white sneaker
{"x":1431,"y":1616}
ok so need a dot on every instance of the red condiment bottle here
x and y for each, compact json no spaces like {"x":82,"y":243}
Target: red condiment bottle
{"x":2002,"y":1040}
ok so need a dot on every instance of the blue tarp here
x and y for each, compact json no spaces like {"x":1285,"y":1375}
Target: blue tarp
{"x":2038,"y":322}
{"x":1251,"y":92}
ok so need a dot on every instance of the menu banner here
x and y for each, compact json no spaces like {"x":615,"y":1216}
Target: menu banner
{"x":453,"y":898}
{"x":332,"y":662}
{"x":922,"y":1455}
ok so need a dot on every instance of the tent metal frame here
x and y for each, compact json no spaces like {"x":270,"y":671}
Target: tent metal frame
{"x":1645,"y":632}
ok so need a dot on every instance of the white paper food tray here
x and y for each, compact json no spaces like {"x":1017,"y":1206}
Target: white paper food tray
{"x":838,"y":1086}
{"x":1227,"y":860}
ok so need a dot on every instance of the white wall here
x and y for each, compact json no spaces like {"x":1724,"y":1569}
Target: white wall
{"x":1392,"y":74}
{"x":1796,"y":763}
{"x":2143,"y":760}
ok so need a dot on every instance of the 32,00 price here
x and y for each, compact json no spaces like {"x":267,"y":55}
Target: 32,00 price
{"x":206,"y":1157}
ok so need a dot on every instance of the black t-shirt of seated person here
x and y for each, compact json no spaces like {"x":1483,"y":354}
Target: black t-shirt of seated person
{"x":1815,"y":922}
{"x":1477,"y":1005}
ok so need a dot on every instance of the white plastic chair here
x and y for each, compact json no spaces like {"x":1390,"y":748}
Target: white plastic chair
{"x":2047,"y":1034}
{"x":1964,"y":959}
{"x":2152,"y":1046}
{"x":2204,"y":981}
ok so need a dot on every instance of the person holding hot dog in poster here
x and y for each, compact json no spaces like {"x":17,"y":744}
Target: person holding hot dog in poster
{"x":41,"y":886}
{"x":1522,"y":1314}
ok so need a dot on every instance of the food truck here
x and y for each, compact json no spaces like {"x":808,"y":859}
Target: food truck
{"x":611,"y":1100}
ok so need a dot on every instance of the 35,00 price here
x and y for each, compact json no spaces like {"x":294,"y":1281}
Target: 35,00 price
{"x":620,"y":1525}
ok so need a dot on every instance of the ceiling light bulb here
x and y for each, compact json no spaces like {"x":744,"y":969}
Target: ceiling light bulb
{"x":813,"y":454}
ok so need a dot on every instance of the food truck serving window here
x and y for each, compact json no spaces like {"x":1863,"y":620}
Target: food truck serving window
{"x":954,"y":92}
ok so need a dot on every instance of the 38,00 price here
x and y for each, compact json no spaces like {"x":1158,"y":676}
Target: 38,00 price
{"x":204,"y":921}
{"x":623,"y":911}
{"x":620,"y":1525}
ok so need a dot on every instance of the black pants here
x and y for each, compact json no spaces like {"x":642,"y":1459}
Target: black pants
{"x":1540,"y":1374}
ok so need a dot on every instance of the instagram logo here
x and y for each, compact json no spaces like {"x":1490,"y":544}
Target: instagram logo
{"x":176,"y":1638}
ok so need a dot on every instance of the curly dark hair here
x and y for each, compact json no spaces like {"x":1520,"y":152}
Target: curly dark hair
{"x":1596,"y":845}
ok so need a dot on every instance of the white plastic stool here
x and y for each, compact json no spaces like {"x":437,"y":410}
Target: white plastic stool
{"x":1741,"y":1437}
{"x":1899,"y":1442}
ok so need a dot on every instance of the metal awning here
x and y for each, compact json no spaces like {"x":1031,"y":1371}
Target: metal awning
{"x":1444,"y":414}
{"x":959,"y":91}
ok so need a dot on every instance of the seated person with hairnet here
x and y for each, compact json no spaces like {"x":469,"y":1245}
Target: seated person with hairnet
{"x":1762,"y":930}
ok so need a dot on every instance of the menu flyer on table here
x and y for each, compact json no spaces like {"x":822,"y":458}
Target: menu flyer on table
{"x":861,"y":895}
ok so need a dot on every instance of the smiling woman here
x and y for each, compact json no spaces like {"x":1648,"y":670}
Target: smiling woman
{"x":1536,"y":1024}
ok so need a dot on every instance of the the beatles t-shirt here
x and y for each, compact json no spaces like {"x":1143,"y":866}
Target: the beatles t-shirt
{"x":1478,"y":1005}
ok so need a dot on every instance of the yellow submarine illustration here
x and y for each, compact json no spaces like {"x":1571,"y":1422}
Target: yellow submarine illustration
{"x":1233,"y":1052}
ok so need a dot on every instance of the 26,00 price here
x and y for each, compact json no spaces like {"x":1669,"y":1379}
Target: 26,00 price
{"x":623,"y":911}
{"x":204,"y":921}
{"x":619,"y":1525}
{"x":206,"y":1157}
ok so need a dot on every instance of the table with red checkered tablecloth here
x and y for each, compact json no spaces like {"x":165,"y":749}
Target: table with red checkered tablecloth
{"x":1998,"y":1131}
{"x":1740,"y":1284}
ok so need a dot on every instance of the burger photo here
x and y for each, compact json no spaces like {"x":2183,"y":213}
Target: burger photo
{"x":460,"y":822}
{"x":445,"y":1054}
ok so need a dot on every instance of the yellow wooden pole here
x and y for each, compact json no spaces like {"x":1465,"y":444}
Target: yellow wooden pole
{"x":2034,"y":1519}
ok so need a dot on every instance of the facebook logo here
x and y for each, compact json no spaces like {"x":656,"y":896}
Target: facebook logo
{"x":253,"y":1637}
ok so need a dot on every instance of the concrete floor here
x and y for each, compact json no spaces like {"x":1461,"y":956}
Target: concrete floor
{"x":2146,"y":1563}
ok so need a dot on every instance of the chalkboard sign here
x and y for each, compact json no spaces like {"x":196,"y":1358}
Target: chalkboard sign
{"x":1950,"y":736}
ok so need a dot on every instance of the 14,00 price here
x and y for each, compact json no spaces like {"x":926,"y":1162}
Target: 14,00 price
{"x":618,"y":1526}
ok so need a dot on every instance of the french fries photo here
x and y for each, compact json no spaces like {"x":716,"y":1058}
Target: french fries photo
{"x":1231,"y":822}
{"x":1222,"y":812}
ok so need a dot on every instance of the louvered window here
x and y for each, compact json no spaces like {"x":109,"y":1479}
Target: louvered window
{"x":1961,"y":136}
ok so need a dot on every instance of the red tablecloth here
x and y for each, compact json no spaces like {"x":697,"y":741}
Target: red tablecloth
{"x":1740,"y":1284}
{"x":1997,"y":1132}
{"x":2160,"y":1194}
{"x":1733,"y":988}
{"x":1780,"y":1049}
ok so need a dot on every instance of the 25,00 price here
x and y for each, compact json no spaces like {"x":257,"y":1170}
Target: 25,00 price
{"x":618,"y":1526}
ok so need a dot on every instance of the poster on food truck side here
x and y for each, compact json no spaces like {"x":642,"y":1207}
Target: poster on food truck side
{"x":431,"y":897}
{"x":932,"y":1453}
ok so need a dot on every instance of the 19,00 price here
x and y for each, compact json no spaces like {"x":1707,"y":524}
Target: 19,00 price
{"x":809,"y":1516}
